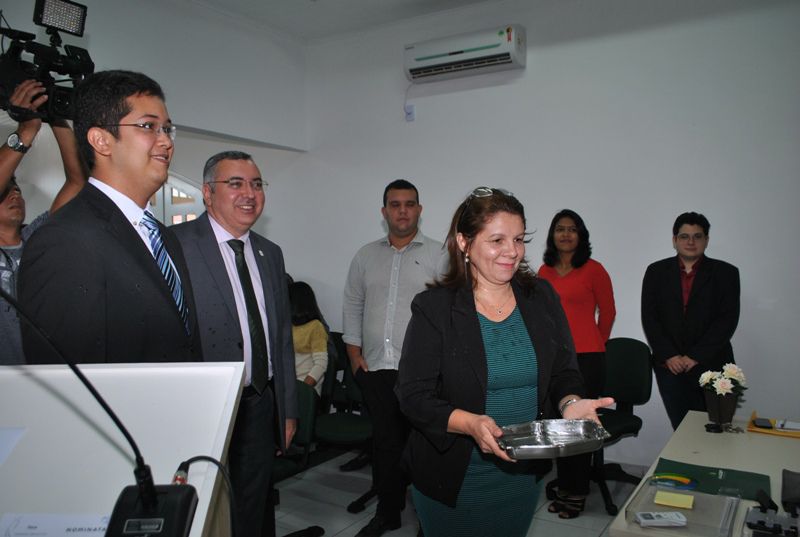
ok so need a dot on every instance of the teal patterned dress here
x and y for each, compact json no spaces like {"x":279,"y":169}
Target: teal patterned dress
{"x":497,"y":498}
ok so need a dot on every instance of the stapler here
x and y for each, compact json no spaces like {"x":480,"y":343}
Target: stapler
{"x":765,"y":521}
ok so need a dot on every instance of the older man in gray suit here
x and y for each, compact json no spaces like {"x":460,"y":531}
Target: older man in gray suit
{"x":243,"y":310}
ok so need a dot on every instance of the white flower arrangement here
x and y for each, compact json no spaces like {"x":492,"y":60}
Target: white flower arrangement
{"x":730,"y":380}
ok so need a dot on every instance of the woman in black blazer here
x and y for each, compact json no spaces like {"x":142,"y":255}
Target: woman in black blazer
{"x":488,"y":345}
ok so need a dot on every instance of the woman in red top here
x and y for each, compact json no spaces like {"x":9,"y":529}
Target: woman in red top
{"x":588,"y":301}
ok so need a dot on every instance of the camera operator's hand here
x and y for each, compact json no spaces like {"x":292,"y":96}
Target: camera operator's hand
{"x":29,"y":95}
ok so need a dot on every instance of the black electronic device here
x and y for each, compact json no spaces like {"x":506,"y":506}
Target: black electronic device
{"x":762,"y":423}
{"x":765,"y":521}
{"x":170,"y":515}
{"x":25,"y":59}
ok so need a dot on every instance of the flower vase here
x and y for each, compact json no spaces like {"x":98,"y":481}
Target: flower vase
{"x":721,"y":408}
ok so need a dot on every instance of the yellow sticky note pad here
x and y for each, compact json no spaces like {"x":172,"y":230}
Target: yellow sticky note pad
{"x":674,"y":499}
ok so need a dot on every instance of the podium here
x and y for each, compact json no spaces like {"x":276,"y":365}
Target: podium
{"x":70,"y":459}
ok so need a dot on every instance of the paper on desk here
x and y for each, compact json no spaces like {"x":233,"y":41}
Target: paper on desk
{"x":9,"y":437}
{"x":674,"y":499}
{"x":788,"y":425}
{"x":45,"y":525}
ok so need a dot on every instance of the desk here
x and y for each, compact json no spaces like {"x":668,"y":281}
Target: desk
{"x":752,"y":452}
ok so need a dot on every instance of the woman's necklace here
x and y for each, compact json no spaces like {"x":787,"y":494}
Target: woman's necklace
{"x":499,"y":308}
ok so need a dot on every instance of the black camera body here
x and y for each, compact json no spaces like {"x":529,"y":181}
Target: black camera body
{"x":44,"y":60}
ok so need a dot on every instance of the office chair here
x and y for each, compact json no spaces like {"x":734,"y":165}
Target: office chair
{"x":629,"y":380}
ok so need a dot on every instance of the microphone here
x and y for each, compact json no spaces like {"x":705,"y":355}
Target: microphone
{"x":144,"y":508}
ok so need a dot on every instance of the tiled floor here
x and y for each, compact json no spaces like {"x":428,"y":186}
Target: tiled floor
{"x":320,"y":497}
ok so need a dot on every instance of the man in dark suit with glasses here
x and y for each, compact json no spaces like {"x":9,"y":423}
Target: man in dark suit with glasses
{"x":103,"y":278}
{"x":243,"y":306}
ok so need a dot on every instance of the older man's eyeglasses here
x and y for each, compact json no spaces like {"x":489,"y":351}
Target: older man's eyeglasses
{"x":151,"y":127}
{"x":239,"y":184}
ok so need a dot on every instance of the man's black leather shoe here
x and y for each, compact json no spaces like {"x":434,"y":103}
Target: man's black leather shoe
{"x":378,"y":526}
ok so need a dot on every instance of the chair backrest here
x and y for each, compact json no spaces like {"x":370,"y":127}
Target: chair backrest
{"x":344,"y":391}
{"x":629,"y":375}
{"x":329,"y":382}
{"x":339,"y":424}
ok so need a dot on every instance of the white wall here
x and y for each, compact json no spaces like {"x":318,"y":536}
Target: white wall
{"x":629,"y":112}
{"x":219,"y":74}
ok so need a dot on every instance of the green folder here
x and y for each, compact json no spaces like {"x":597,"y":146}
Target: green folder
{"x":712,"y":480}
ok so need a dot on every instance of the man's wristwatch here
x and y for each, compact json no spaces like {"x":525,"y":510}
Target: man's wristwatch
{"x":15,"y":143}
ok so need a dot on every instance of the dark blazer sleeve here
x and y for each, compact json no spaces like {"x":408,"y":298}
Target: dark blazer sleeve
{"x":279,"y":319}
{"x":419,"y":385}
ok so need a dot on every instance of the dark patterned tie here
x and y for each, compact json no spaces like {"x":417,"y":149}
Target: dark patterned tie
{"x":167,"y":267}
{"x":258,"y":342}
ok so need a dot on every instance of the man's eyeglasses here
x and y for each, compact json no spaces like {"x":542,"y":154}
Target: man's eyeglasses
{"x":238,"y":184}
{"x":149,"y":126}
{"x":684,"y":237}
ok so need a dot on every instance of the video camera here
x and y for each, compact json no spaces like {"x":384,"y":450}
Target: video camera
{"x":54,"y":15}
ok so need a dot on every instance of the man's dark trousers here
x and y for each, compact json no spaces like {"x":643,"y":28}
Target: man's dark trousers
{"x":250,"y":456}
{"x":390,"y":431}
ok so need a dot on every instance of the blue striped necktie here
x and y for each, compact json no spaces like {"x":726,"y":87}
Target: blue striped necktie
{"x":166,"y":266}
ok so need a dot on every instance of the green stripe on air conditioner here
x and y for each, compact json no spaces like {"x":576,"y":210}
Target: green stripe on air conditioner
{"x":446,"y":54}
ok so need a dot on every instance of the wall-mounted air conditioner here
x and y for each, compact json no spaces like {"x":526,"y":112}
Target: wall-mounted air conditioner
{"x":497,"y":49}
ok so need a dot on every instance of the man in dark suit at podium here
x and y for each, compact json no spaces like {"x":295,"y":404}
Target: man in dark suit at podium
{"x":103,"y":278}
{"x":243,"y":307}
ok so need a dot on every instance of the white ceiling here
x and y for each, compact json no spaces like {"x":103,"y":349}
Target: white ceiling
{"x":319,"y":19}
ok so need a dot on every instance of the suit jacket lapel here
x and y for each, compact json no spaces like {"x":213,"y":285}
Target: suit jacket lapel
{"x":123,"y":233}
{"x":540,"y":326}
{"x":469,"y":342}
{"x":268,"y":282}
{"x":702,"y":278}
{"x":209,"y":249}
{"x":674,"y":283}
